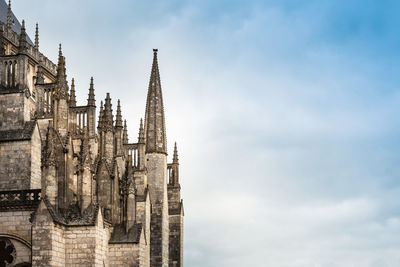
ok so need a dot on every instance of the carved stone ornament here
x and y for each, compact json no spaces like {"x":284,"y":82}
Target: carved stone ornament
{"x":27,"y":93}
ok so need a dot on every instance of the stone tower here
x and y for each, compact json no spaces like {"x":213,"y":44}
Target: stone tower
{"x":156,"y":163}
{"x":74,"y":194}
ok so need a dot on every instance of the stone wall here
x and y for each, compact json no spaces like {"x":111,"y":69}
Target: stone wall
{"x":11,"y":111}
{"x":15,"y":165}
{"x":124,"y":255}
{"x":156,"y":164}
{"x":16,"y":223}
{"x":86,"y":246}
{"x":48,"y":244}
{"x":176,"y":240}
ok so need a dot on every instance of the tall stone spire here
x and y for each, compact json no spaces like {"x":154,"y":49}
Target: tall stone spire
{"x":154,"y":120}
{"x":125,"y":134}
{"x":72,"y":97}
{"x":118,"y":117}
{"x":175,"y":158}
{"x":91,"y":99}
{"x":23,"y":44}
{"x":10,"y":20}
{"x":37,"y":37}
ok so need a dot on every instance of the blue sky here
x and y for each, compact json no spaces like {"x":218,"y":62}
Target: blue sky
{"x":286,"y":115}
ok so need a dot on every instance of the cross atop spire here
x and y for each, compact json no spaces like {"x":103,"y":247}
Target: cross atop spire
{"x":156,"y":141}
{"x":37,"y":37}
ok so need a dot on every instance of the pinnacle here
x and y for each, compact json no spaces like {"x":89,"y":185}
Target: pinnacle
{"x":72,"y":98}
{"x":141,"y":132}
{"x":108,"y":116}
{"x":101,"y":112}
{"x":175,"y":158}
{"x":125,"y":134}
{"x":37,"y":36}
{"x":91,"y":98}
{"x":9,"y":15}
{"x":118,"y":121}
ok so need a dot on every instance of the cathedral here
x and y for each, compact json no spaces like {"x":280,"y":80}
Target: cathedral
{"x":74,"y":192}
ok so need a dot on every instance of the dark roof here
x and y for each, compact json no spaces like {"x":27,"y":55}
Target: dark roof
{"x":16,"y":26}
{"x":18,"y":134}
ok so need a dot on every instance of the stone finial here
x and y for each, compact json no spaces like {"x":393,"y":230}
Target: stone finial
{"x":91,"y":99}
{"x":156,"y":141}
{"x":23,"y":44}
{"x":61,"y":70}
{"x":2,"y":48}
{"x":39,"y":73}
{"x":101,"y":113}
{"x":37,"y":37}
{"x":10,"y":20}
{"x":125,"y":134}
{"x":72,"y":97}
{"x":108,"y":118}
{"x":141,"y":132}
{"x":175,"y":158}
{"x":118,"y":117}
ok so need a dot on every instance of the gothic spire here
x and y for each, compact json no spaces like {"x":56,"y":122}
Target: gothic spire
{"x":72,"y":97}
{"x":118,"y":117}
{"x":10,"y":20}
{"x":101,"y":113}
{"x":22,"y":38}
{"x":91,"y":99}
{"x":141,"y":132}
{"x":175,"y":158}
{"x":37,"y":37}
{"x":39,"y":73}
{"x":154,"y":120}
{"x":61,"y":71}
{"x":108,"y":118}
{"x":2,"y":49}
{"x":125,"y":134}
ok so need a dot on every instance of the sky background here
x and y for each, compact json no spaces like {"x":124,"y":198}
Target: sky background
{"x":286,"y":114}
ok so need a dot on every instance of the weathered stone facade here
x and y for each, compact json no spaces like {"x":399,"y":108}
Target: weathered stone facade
{"x":73,"y":193}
